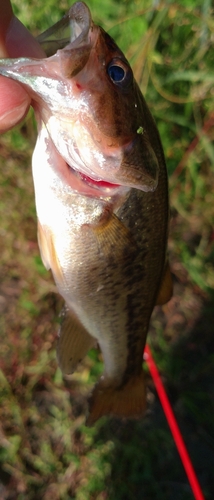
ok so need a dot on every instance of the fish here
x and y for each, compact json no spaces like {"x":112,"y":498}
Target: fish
{"x":101,"y":193}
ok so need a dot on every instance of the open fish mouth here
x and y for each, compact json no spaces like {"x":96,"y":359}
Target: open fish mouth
{"x":73,"y":28}
{"x":104,"y":139}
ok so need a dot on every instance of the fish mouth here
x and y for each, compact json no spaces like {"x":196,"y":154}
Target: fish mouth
{"x":101,"y":163}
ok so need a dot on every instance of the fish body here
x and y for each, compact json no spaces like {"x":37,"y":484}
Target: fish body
{"x":102,"y":204}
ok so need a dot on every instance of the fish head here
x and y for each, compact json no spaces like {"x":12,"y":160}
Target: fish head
{"x":87,"y":97}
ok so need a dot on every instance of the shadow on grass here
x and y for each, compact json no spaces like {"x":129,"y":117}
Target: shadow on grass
{"x":144,"y":460}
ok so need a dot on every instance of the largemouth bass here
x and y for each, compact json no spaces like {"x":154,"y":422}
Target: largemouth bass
{"x":102,"y":204}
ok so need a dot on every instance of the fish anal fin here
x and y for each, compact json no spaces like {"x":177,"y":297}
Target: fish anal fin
{"x":74,"y":342}
{"x":128,"y":401}
{"x":166,"y":287}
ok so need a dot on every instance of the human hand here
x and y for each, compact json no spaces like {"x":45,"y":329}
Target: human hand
{"x":15,"y":41}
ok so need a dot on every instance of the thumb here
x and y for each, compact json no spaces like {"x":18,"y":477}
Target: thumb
{"x":15,"y":41}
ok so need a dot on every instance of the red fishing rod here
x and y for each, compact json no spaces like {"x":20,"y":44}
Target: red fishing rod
{"x":173,"y":425}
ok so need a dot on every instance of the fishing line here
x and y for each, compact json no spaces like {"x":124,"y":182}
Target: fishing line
{"x":181,"y":447}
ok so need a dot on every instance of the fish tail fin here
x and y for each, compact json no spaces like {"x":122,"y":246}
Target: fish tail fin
{"x":128,"y":401}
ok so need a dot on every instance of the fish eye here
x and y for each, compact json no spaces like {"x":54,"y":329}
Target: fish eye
{"x":116,"y":73}
{"x":119,"y":72}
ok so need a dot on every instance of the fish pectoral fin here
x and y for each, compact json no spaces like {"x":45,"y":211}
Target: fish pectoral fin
{"x":114,"y":239}
{"x":74,"y":342}
{"x":166,"y":288}
{"x":128,"y":401}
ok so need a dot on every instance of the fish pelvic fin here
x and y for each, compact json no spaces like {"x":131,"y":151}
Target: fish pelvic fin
{"x":74,"y":342}
{"x":47,"y":251}
{"x":43,"y":246}
{"x":128,"y":401}
{"x":166,"y":288}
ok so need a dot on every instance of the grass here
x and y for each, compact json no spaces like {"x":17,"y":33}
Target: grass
{"x":45,"y":449}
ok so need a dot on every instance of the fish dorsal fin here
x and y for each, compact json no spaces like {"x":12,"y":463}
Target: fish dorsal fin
{"x":166,"y":287}
{"x":74,"y":342}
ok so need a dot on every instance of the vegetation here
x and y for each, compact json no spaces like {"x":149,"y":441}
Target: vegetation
{"x":45,"y":449}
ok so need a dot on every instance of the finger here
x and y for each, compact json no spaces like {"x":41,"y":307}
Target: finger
{"x":14,"y":103}
{"x":6,"y":15}
{"x":20,"y":42}
{"x":15,"y":41}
